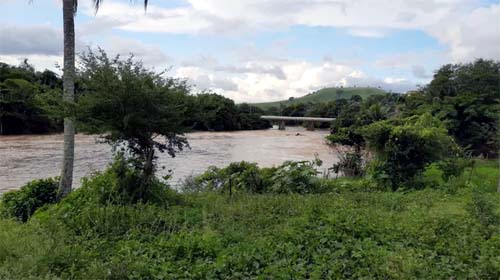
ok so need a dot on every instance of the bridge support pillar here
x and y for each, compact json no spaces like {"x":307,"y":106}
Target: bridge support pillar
{"x":281,"y":125}
{"x":310,"y":126}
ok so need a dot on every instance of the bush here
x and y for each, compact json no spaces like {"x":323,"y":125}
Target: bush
{"x":296,"y":177}
{"x":351,"y":164}
{"x":403,"y":148}
{"x":237,"y":176}
{"x":21,"y":204}
{"x":483,"y":209}
{"x":118,"y":185}
{"x":290,"y":177}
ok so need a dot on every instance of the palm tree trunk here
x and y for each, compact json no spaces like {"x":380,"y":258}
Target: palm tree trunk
{"x":66,"y":180}
{"x":498,"y":186}
{"x":498,"y":153}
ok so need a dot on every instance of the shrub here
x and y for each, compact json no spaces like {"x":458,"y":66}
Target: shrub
{"x":21,"y":204}
{"x":483,"y":209}
{"x":296,"y":177}
{"x":237,"y":176}
{"x":403,"y":148}
{"x":290,"y":177}
{"x":118,"y":185}
{"x":351,"y":164}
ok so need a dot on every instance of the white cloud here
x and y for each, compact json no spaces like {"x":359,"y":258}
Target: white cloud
{"x":420,"y":72}
{"x":150,"y":55}
{"x":366,"y":32}
{"x":299,"y":78}
{"x":51,"y":62}
{"x":27,"y":40}
{"x":470,"y":36}
{"x":468,"y":30}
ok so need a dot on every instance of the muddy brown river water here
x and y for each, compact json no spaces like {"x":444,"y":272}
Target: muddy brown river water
{"x":28,"y":157}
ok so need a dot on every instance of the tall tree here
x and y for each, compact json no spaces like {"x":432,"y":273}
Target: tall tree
{"x":69,"y":10}
{"x":136,"y":110}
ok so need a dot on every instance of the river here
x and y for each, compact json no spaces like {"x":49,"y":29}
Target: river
{"x":27,"y":157}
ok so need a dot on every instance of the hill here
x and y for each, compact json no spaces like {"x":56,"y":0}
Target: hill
{"x":325,"y":95}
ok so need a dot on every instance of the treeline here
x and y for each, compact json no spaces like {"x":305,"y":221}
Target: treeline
{"x":213,"y":112}
{"x":28,"y":98}
{"x":22,"y":90}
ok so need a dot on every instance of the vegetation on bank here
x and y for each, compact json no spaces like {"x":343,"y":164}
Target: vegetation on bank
{"x":22,"y":92}
{"x":348,"y":230}
{"x":31,"y":101}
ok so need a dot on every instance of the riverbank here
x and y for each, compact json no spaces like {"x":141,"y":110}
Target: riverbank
{"x":29,"y":157}
{"x":347,"y":232}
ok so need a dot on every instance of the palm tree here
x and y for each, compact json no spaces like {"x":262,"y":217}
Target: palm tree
{"x":69,"y":10}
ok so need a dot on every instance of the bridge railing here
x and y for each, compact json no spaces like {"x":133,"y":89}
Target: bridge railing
{"x":305,"y":119}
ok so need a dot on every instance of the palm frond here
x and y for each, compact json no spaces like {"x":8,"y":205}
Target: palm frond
{"x":97,"y":4}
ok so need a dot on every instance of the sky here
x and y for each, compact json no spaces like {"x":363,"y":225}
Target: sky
{"x":265,"y":50}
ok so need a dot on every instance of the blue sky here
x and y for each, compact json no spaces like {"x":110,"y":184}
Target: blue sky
{"x":265,"y":50}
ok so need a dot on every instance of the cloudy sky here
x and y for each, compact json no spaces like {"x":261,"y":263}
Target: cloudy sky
{"x":266,"y":50}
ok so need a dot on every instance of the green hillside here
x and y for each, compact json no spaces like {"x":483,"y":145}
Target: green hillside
{"x":325,"y":95}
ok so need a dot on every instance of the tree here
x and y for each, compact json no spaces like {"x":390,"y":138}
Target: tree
{"x":69,"y":10}
{"x":404,"y":147}
{"x":466,"y":97}
{"x":133,"y":108}
{"x":21,"y":90}
{"x":215,"y":112}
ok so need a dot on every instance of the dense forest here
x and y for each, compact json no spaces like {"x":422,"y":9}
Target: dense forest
{"x":28,"y":98}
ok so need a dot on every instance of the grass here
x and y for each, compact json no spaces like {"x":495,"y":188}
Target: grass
{"x":428,"y":234}
{"x":325,"y":95}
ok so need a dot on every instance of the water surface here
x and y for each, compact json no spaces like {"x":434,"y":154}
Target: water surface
{"x":28,"y":157}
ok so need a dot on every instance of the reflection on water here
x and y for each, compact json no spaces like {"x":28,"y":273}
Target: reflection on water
{"x":27,"y":157}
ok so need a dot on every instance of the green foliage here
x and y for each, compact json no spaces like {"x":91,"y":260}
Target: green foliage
{"x":236,"y":177}
{"x":22,"y":91}
{"x":137,"y":110}
{"x":403,"y":148}
{"x":213,"y":112}
{"x":483,"y":209}
{"x":290,"y":177}
{"x":346,"y":234}
{"x":350,"y":164}
{"x":250,"y":117}
{"x":296,"y":177}
{"x":22,"y":203}
{"x":466,"y":97}
{"x":354,"y":115}
{"x":118,"y":184}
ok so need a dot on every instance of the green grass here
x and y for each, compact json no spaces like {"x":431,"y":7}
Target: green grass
{"x":325,"y":95}
{"x":358,"y":234}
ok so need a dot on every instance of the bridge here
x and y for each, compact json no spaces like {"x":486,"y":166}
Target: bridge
{"x":310,"y":120}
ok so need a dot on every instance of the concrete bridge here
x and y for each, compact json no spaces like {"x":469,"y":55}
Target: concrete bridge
{"x":310,"y":120}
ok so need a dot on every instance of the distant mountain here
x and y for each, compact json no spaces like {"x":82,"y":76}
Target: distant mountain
{"x":325,"y":95}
